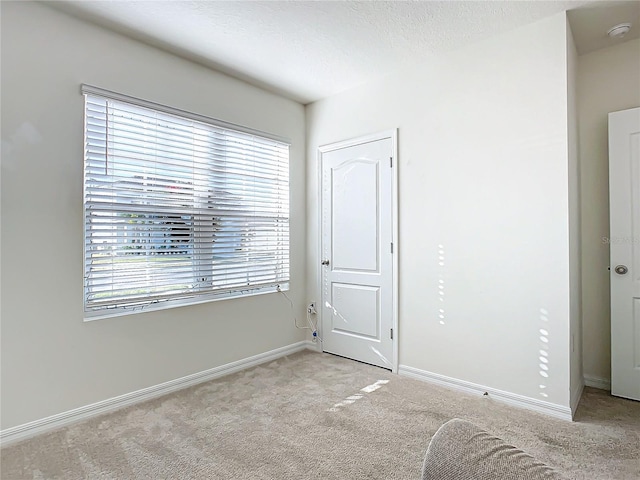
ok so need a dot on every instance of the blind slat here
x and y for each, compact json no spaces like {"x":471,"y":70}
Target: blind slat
{"x":178,"y":208}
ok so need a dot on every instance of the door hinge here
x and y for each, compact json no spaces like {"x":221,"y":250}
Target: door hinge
{"x":392,"y":334}
{"x":391,"y":162}
{"x":391,"y":247}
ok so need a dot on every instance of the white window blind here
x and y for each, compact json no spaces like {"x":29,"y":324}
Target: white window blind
{"x":177,"y":209}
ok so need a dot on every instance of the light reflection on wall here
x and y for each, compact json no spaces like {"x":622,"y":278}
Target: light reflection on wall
{"x":543,"y":357}
{"x":441,"y":315}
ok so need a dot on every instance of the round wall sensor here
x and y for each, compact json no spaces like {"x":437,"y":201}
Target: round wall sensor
{"x":619,"y":31}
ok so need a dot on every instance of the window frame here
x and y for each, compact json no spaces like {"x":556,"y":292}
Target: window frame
{"x":140,"y":305}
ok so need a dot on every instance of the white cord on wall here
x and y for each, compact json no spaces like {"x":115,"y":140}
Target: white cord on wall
{"x":312,"y":326}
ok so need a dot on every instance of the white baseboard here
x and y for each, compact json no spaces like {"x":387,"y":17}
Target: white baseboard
{"x":547,"y":408}
{"x":27,"y":430}
{"x":575,"y":399}
{"x":314,"y":346}
{"x":597,"y":382}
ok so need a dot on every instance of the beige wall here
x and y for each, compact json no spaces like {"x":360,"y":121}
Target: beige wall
{"x":483,"y":171}
{"x":52,"y":361}
{"x":608,"y":80}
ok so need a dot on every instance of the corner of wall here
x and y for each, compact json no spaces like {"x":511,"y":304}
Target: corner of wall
{"x":575,"y":247}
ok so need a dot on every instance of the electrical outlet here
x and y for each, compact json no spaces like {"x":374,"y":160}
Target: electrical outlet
{"x":311,"y":308}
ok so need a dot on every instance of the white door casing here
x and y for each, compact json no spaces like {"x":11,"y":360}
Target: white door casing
{"x":358,"y":229}
{"x":624,"y":240}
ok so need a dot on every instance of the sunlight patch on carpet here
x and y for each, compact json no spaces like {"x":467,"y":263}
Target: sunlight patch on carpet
{"x":354,"y":398}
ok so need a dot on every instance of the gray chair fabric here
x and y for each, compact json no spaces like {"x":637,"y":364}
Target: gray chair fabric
{"x":460,"y":450}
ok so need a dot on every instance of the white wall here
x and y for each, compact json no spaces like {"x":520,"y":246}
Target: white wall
{"x":575,"y":260}
{"x":483,"y":171}
{"x":51,"y":360}
{"x":608,"y":80}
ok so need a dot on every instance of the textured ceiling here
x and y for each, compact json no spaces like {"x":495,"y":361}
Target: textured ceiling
{"x":307,"y":50}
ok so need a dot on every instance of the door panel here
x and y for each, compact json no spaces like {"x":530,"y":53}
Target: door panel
{"x":357,"y":231}
{"x":355,"y":196}
{"x":357,"y":310}
{"x":624,"y":204}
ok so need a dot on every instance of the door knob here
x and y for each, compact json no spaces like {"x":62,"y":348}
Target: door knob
{"x":621,"y":269}
{"x":325,"y":262}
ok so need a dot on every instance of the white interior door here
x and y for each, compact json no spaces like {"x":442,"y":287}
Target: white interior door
{"x":356,"y":247}
{"x":624,"y":204}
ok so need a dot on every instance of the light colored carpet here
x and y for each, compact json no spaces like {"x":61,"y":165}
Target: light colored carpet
{"x":306,"y":417}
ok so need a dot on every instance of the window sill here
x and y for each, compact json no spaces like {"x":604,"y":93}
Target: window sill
{"x":90,"y":316}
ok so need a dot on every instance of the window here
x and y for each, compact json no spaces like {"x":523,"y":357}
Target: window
{"x":178,"y":208}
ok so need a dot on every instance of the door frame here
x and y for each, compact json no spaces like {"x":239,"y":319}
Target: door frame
{"x":322,"y":149}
